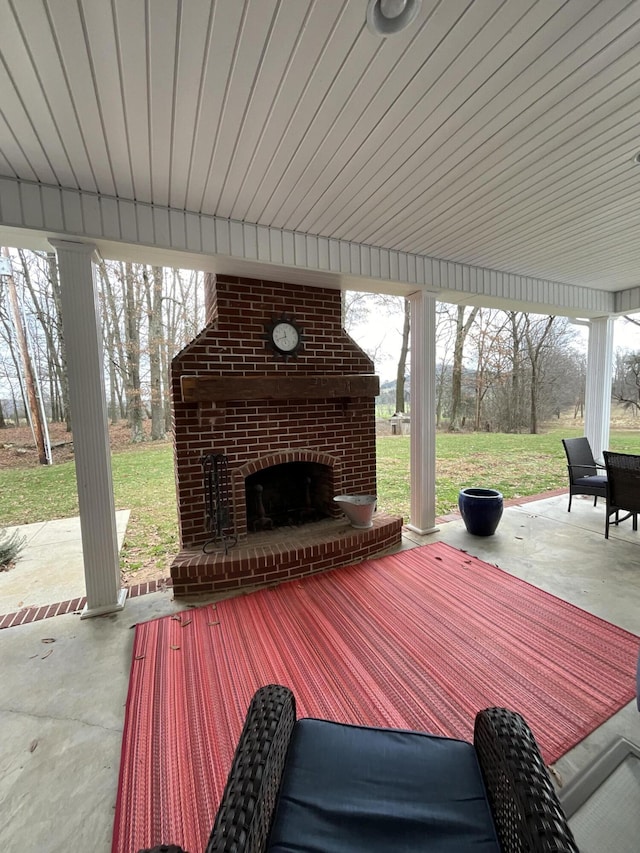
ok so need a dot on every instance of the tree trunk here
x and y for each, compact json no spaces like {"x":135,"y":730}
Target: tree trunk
{"x":440,"y":382}
{"x":533,"y":410}
{"x":456,"y":372}
{"x":51,"y":325}
{"x":170,"y":322}
{"x":166,"y":396}
{"x":60,"y":350}
{"x":112,"y":338}
{"x":29,"y":378}
{"x":53,"y":399}
{"x":132,"y":338}
{"x":154,"y":304}
{"x":513,"y":417}
{"x":210,"y":301}
{"x":462,"y":330}
{"x":113,"y":401}
{"x":16,"y":411}
{"x":534,"y":351}
{"x":16,"y":365}
{"x":402,"y":361}
{"x":479,"y":393}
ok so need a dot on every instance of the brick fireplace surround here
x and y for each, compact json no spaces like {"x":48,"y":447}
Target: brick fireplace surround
{"x":233,"y":395}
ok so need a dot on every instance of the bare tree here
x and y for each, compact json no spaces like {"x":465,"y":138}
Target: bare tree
{"x":356,"y":307}
{"x":562,"y":373}
{"x":27,"y":366}
{"x":445,"y":336}
{"x":581,"y":389}
{"x":58,"y":332}
{"x":132,"y":350}
{"x":402,"y":359}
{"x":153,"y":291}
{"x":137,"y":354}
{"x":463,"y":325}
{"x":170,"y":310}
{"x":489,"y":337}
{"x":514,"y":398}
{"x":210,"y":306}
{"x":9,"y":358}
{"x":626,"y":390}
{"x":112,"y":313}
{"x":183,"y":314}
{"x":48,"y":311}
{"x":537,"y":334}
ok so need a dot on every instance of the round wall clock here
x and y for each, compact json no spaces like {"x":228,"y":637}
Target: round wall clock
{"x":284,"y":336}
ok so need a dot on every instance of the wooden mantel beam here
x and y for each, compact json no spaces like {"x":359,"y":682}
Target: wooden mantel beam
{"x":199,"y":389}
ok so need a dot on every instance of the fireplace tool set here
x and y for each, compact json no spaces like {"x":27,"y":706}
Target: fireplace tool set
{"x":217,"y":496}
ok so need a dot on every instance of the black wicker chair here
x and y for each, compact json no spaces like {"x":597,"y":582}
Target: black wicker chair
{"x":586,"y":476}
{"x":516,"y":794}
{"x":623,"y":487}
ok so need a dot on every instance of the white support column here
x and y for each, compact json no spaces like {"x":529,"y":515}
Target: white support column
{"x":597,"y":408}
{"x":83,"y":339}
{"x":423,"y":421}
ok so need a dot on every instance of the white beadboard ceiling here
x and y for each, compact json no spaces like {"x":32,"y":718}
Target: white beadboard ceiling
{"x":496,"y":133}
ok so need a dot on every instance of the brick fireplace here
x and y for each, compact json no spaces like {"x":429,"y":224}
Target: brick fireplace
{"x":293,"y":429}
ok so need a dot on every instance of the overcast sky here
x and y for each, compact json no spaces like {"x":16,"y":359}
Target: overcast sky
{"x":383,"y":334}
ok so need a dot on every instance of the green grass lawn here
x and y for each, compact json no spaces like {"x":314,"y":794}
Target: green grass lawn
{"x":517,"y":465}
{"x":143,"y":482}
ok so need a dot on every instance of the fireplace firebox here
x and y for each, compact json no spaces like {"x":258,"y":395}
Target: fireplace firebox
{"x":288,"y":495}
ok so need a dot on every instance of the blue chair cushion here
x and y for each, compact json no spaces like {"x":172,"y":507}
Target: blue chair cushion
{"x":595,"y":480}
{"x":352,"y":788}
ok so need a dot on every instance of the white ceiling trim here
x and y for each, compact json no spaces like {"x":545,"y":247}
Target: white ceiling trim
{"x":56,"y":212}
{"x":627,"y":301}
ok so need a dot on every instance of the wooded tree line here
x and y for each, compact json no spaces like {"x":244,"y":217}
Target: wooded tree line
{"x":497,"y":370}
{"x":148,"y":314}
{"x":501,"y":371}
{"x":508,"y":370}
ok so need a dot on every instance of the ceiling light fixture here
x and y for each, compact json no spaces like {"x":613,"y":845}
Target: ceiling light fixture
{"x":636,"y":159}
{"x":387,"y":17}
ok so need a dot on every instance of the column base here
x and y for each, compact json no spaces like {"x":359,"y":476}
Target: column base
{"x":420,"y":530}
{"x":90,"y":612}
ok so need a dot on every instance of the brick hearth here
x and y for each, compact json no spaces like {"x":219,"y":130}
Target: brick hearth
{"x":233,"y":395}
{"x":282,"y":554}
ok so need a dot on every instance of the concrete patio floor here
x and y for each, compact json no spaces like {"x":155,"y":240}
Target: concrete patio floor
{"x":65,"y":680}
{"x":50,"y":567}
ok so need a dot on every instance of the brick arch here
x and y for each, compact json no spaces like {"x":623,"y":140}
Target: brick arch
{"x":283,"y":456}
{"x":239,"y":475}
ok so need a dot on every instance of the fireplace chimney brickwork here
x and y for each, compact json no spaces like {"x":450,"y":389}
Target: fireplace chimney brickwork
{"x":252,"y":431}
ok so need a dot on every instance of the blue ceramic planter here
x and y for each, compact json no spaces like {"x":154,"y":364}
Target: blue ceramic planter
{"x":481,"y":510}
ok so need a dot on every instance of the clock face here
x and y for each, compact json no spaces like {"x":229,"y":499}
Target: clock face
{"x":285,"y":336}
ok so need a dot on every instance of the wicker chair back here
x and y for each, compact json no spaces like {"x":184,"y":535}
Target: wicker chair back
{"x":623,"y":487}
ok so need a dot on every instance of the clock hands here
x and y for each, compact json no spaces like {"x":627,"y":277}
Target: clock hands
{"x":284,"y":337}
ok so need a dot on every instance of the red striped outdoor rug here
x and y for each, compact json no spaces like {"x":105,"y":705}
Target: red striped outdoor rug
{"x":421,"y":639}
